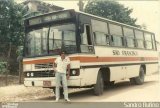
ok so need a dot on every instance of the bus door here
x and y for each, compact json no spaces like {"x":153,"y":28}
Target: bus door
{"x":86,"y":39}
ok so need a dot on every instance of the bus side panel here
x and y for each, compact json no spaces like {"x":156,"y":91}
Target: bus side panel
{"x":132,"y":71}
{"x":117,"y":73}
{"x":89,"y":76}
{"x":151,"y":68}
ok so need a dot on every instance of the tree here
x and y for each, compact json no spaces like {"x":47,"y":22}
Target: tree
{"x":111,"y":10}
{"x":11,"y":30}
{"x":11,"y":18}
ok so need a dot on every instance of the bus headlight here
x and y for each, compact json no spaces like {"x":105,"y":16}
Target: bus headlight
{"x":32,"y":74}
{"x":74,"y":72}
{"x":28,"y":74}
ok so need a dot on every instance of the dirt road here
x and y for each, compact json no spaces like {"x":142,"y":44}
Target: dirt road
{"x":18,"y":93}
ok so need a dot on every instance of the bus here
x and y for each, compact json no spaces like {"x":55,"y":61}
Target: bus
{"x":101,"y":51}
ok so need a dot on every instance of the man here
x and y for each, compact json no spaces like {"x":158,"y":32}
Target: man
{"x":62,"y":64}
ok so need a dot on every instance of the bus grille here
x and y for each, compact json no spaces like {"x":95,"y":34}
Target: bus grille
{"x":35,"y":74}
{"x":43,"y":66}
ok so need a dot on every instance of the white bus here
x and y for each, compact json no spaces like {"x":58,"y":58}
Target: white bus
{"x":101,"y":51}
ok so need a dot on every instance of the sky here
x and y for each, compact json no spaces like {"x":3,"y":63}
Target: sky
{"x":147,"y":12}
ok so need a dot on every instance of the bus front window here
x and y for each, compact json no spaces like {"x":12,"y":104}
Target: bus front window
{"x":62,"y":37}
{"x":36,"y":42}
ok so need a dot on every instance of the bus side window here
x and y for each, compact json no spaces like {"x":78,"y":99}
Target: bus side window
{"x":148,"y":41}
{"x":86,"y":36}
{"x":116,"y":35}
{"x":112,"y":40}
{"x":86,"y":40}
{"x":153,"y":42}
{"x":101,"y":38}
{"x":107,"y":36}
{"x":139,"y":39}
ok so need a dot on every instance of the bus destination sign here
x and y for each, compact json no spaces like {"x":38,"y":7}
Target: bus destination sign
{"x":48,"y":18}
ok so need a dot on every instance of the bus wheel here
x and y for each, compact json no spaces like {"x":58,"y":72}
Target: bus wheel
{"x":132,"y":80}
{"x":109,"y":84}
{"x":99,"y":86}
{"x":140,"y":79}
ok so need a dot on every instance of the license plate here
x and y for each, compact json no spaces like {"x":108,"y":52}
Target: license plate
{"x":47,"y":83}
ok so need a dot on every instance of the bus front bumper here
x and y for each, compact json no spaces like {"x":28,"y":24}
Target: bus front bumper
{"x":49,"y":82}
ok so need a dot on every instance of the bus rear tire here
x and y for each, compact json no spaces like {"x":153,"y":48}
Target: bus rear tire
{"x":99,"y":86}
{"x":140,"y":79}
{"x":132,"y":81}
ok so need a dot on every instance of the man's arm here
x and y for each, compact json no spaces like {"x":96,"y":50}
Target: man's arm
{"x":55,"y":65}
{"x":68,"y":71}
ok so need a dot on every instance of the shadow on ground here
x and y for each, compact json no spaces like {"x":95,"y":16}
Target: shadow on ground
{"x":109,"y":91}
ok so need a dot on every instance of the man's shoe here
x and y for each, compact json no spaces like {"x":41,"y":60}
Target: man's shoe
{"x":67,"y":100}
{"x":57,"y":99}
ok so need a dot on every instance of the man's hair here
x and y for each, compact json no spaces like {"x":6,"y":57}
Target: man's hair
{"x":62,"y":52}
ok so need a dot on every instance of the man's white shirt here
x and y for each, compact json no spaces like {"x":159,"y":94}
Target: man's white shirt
{"x":62,"y":64}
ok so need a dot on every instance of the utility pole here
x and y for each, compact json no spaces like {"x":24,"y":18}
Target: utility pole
{"x":81,"y":5}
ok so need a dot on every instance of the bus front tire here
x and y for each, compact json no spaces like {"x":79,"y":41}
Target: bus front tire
{"x":99,"y":86}
{"x":140,"y":79}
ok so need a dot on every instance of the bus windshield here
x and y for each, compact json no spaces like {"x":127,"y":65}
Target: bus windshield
{"x":50,"y":40}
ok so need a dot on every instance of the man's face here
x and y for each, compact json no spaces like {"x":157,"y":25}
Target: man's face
{"x":62,"y":55}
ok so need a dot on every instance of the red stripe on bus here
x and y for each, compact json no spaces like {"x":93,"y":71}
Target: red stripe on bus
{"x":105,"y":59}
{"x":39,"y":61}
{"x":95,"y":59}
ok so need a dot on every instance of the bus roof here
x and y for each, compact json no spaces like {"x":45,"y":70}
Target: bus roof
{"x":113,"y":21}
{"x":90,"y":16}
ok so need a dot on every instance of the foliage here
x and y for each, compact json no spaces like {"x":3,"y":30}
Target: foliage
{"x":11,"y":22}
{"x":11,"y":31}
{"x":112,"y":10}
{"x":3,"y":67}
